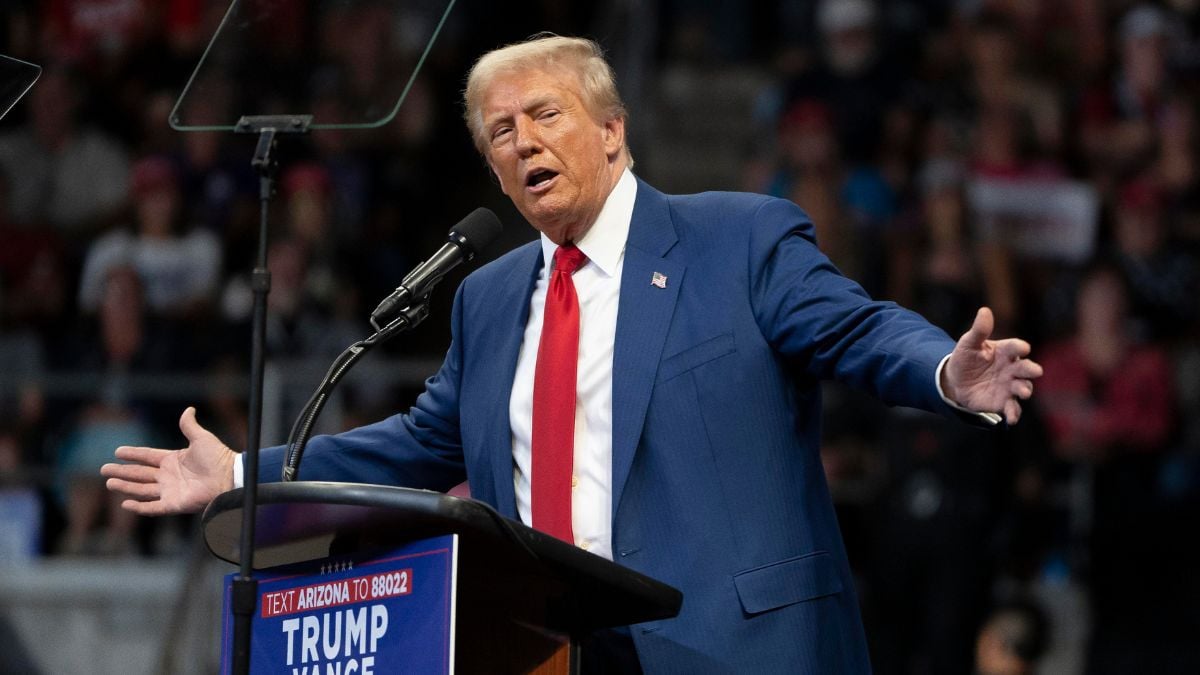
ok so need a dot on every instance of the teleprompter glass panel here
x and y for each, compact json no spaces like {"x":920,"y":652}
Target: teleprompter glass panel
{"x":348,"y":63}
{"x":16,"y":77}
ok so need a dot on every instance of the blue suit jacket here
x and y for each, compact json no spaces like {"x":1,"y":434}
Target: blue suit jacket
{"x":718,"y":487}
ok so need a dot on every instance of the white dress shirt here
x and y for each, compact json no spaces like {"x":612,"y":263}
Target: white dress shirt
{"x":598,"y":285}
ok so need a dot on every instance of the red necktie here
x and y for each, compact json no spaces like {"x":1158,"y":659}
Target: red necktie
{"x":554,"y":400}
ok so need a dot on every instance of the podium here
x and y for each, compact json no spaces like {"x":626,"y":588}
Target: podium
{"x":523,"y":599}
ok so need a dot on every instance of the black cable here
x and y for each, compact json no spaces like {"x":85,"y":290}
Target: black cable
{"x":298,"y":439}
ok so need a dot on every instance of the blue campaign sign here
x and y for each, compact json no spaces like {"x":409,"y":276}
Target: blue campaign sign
{"x":389,"y":612}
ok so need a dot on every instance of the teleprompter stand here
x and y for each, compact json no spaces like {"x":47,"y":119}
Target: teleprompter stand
{"x":524,"y":597}
{"x":233,"y":73}
{"x":268,"y":128}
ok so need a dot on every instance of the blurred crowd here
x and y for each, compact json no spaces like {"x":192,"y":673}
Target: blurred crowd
{"x":1038,"y":157}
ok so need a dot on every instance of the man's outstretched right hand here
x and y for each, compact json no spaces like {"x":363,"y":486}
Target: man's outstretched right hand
{"x":160,"y":482}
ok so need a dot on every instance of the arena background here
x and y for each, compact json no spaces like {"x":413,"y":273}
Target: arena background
{"x":1038,"y":157}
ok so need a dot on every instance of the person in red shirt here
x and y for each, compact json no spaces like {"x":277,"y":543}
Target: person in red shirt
{"x":1104,"y":393}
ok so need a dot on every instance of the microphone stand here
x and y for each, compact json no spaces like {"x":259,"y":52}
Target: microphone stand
{"x":408,"y":319}
{"x":245,"y":586}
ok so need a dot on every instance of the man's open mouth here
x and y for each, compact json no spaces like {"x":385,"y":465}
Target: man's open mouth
{"x":540,"y":178}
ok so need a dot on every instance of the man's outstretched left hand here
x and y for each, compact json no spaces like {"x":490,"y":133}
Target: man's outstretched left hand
{"x":987,"y":375}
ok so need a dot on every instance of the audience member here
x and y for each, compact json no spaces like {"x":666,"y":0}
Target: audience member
{"x":1012,"y":640}
{"x":853,"y":76}
{"x":1109,"y":402}
{"x":1118,"y":117}
{"x":1163,"y":278}
{"x":95,"y":522}
{"x":1105,"y":393}
{"x":179,"y":269}
{"x":61,"y":173}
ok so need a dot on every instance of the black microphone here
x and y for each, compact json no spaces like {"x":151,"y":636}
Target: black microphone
{"x":472,"y":233}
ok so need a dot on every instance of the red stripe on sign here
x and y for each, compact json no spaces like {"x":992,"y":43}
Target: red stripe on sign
{"x":336,"y":592}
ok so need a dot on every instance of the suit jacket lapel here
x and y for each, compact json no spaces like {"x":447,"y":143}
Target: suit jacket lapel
{"x":511,"y":313}
{"x":643,"y":318}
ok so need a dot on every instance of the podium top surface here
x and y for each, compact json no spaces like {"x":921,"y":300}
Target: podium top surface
{"x":308,"y":520}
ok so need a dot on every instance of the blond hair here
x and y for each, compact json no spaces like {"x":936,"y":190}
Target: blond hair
{"x":546,"y":51}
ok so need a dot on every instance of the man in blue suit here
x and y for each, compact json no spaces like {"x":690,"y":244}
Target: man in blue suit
{"x":703,"y":325}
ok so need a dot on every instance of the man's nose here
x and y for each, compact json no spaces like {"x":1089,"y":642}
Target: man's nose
{"x":529,"y":139}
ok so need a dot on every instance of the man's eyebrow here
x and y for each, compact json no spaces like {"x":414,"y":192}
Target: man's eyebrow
{"x":539,"y":101}
{"x":497,"y":118}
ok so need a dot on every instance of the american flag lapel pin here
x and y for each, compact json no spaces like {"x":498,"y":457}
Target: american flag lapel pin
{"x":658,"y":280}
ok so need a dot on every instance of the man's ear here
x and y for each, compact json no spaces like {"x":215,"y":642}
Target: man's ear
{"x":614,"y":136}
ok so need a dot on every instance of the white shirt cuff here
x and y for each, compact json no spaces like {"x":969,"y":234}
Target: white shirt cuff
{"x":239,"y":471}
{"x":990,"y":418}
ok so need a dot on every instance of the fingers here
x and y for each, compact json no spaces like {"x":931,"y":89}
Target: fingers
{"x":154,"y":508}
{"x":1022,"y":389}
{"x":1012,"y":411}
{"x":147,"y":456}
{"x":1019,"y":367}
{"x":130,"y":472}
{"x":189,"y":426}
{"x":1013,"y":348}
{"x":145,"y":498}
{"x":1013,"y":352}
{"x":980,"y":330}
{"x":137,"y":490}
{"x":1028,"y":370}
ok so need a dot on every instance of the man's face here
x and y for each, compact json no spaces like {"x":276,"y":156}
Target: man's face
{"x":553,"y":158}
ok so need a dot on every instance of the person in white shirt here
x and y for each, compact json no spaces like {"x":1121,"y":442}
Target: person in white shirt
{"x":179,"y":271}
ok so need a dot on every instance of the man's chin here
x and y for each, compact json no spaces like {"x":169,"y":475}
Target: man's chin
{"x":556,"y":229}
{"x":545,"y":216}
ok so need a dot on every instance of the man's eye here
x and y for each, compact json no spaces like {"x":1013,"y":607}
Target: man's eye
{"x":500,"y":133}
{"x":548,"y":115}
